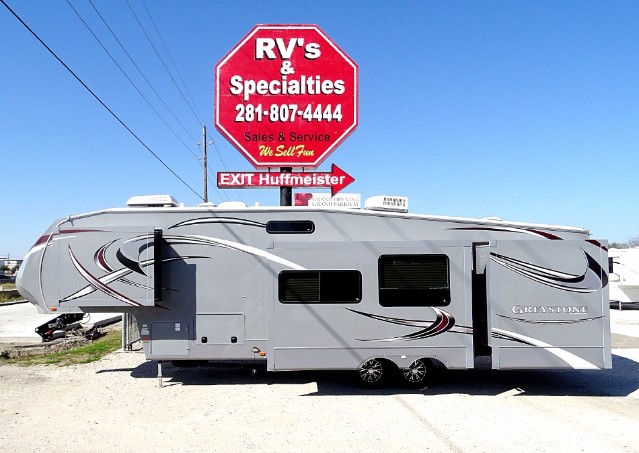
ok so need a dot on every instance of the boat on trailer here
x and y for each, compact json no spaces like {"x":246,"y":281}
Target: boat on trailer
{"x":372,"y":290}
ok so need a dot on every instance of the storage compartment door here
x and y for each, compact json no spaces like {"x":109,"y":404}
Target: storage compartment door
{"x":169,"y":339}
{"x":226,"y":328}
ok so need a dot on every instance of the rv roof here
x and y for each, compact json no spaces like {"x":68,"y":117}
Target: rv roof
{"x":148,"y":202}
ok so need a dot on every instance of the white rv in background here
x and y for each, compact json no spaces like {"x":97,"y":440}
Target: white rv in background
{"x":310,"y":288}
{"x":624,"y":277}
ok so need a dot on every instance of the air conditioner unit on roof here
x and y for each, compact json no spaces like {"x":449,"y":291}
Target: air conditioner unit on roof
{"x":387,"y":203}
{"x":150,"y":201}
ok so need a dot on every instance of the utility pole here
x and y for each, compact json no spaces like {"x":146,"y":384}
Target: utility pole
{"x":204,"y":168}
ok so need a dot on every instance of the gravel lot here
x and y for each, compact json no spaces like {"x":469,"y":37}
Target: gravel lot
{"x":115,"y":404}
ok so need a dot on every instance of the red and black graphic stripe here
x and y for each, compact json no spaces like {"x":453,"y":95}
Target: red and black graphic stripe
{"x":442,"y":323}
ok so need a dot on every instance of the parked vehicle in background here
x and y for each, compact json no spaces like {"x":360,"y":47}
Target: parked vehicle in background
{"x":6,"y":279}
{"x":624,"y":277}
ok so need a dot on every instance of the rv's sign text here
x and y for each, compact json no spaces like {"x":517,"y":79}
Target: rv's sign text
{"x":286,"y":95}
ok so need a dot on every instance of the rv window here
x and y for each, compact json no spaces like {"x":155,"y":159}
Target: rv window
{"x":414,"y":280}
{"x":290,"y":227}
{"x":320,"y":287}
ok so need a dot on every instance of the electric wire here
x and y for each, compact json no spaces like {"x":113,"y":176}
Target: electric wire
{"x":151,"y":85}
{"x":197,"y":112}
{"x":166,"y":49}
{"x":129,"y":79}
{"x":126,"y":52}
{"x":173,"y":79}
{"x":162,"y":61}
{"x":224,"y":166}
{"x":142,"y":73}
{"x":35,"y":35}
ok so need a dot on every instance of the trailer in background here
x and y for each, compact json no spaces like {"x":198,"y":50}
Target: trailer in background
{"x":624,"y":277}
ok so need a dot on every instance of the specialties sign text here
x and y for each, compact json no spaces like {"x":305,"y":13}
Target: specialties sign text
{"x":282,"y":87}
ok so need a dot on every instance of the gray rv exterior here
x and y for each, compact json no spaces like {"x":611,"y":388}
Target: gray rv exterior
{"x":210,"y":283}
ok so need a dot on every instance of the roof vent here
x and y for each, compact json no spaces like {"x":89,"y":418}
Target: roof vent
{"x":232,"y":205}
{"x":387,"y":203}
{"x":152,"y":201}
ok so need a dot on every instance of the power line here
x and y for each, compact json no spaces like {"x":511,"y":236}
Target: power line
{"x":97,"y":97}
{"x":198,"y":115}
{"x":163,"y":63}
{"x":151,"y":85}
{"x":197,"y":158}
{"x":192,"y":105}
{"x":186,"y":88}
{"x":129,"y":79}
{"x":142,"y":73}
{"x":217,"y":151}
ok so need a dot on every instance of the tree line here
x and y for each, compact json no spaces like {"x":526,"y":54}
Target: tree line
{"x":633,"y":242}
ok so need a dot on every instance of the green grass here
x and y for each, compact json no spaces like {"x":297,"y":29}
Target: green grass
{"x":87,"y":353}
{"x":6,"y":298}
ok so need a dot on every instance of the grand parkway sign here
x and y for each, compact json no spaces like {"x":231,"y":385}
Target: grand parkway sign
{"x":286,"y":96}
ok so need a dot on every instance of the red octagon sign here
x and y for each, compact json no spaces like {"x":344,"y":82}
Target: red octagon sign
{"x":286,"y":96}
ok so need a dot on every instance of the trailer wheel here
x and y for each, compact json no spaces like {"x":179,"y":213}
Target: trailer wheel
{"x":417,"y":373}
{"x":372,"y":373}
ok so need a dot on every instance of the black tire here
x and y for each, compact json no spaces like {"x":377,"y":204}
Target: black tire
{"x":417,"y":374}
{"x":373,"y":373}
{"x":187,"y":363}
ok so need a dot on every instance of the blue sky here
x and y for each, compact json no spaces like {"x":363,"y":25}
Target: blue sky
{"x":524,"y":110}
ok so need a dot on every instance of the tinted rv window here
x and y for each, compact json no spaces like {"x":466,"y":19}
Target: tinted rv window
{"x":320,"y":287}
{"x":290,"y":226}
{"x":414,"y":280}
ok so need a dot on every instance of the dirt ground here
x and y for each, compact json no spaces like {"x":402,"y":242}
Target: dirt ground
{"x":116,"y":405}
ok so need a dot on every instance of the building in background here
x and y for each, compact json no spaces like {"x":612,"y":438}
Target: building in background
{"x":9,"y":266}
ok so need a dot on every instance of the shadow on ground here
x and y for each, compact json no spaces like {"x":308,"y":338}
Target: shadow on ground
{"x":620,"y":381}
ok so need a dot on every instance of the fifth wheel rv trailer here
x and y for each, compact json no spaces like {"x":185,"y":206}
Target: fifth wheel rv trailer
{"x":301,"y":288}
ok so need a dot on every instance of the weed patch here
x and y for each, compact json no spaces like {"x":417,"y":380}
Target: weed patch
{"x":85,"y":353}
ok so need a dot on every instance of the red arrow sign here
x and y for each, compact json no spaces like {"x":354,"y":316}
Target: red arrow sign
{"x":337,"y":179}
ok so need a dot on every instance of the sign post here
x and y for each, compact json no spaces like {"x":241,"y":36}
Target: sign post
{"x":286,"y":192}
{"x":286,"y":96}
